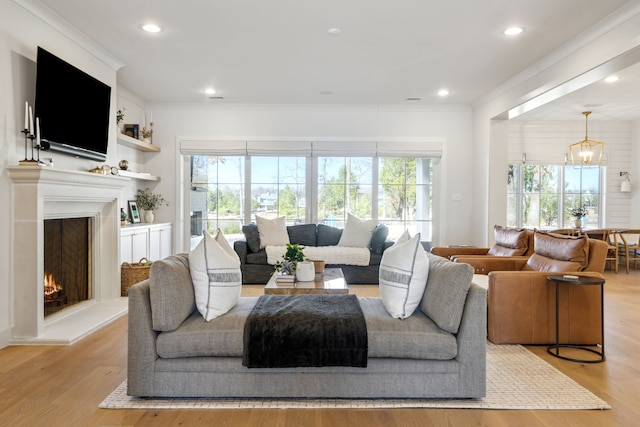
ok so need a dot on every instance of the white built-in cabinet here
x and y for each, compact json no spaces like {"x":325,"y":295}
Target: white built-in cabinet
{"x":151,"y":241}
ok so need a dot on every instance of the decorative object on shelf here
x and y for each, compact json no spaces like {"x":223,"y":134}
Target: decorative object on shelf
{"x":123,"y":217}
{"x":291,"y":258}
{"x":587,"y":149}
{"x":318,"y":266}
{"x":134,"y":212}
{"x":124,"y":164}
{"x":625,"y":187}
{"x":120,"y":117}
{"x":30,"y":136}
{"x":578,"y":213}
{"x":149,"y":202}
{"x":131,"y":130}
{"x":147,"y":135}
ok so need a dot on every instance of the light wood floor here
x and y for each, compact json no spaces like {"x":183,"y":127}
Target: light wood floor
{"x":62,"y":386}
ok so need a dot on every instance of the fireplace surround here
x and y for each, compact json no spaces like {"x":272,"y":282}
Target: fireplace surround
{"x":42,"y":193}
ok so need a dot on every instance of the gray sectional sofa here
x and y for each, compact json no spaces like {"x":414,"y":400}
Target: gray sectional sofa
{"x":173,"y":352}
{"x":256,"y":270}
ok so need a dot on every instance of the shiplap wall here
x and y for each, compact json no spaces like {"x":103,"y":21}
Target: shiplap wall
{"x":548,"y":142}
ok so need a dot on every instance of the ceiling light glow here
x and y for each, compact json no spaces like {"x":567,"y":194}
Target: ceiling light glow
{"x":151,"y":28}
{"x":443,"y":92}
{"x":210,"y":91}
{"x":612,"y":79}
{"x":513,"y":31}
{"x":334,"y":31}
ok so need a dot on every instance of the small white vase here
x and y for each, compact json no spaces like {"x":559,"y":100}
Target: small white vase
{"x":148,"y":217}
{"x":305,"y":272}
{"x":578,"y":222}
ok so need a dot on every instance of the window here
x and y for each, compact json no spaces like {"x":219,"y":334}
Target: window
{"x":278,"y":187}
{"x":228,"y":191}
{"x":540,"y":196}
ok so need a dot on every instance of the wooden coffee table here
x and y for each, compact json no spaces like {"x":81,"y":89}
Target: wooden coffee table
{"x":331,"y":282}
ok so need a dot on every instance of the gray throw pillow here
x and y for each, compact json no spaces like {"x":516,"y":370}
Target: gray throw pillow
{"x":171,"y":292}
{"x":303,"y":234}
{"x":252,"y":236}
{"x":379,"y":237}
{"x":446,"y":293}
{"x":328,"y":236}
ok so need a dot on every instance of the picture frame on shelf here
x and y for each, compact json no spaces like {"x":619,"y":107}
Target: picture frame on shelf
{"x":134,"y":212}
{"x":132,"y":130}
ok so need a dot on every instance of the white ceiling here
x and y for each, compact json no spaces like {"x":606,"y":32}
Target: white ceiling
{"x":280,"y":52}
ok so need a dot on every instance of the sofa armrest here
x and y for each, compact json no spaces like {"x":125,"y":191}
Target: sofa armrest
{"x":472,"y":340}
{"x":141,"y":342}
{"x":521,"y":309}
{"x":241,"y":248}
{"x":486,"y":264}
{"x":446,"y":252}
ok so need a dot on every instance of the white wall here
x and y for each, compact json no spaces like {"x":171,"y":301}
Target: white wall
{"x":452,"y":126}
{"x":20,"y":34}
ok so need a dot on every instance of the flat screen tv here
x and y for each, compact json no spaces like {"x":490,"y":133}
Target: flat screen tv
{"x":73,"y":108}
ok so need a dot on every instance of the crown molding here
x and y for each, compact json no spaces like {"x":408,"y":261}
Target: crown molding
{"x":55,"y":21}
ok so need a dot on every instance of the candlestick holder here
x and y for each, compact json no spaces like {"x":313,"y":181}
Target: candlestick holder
{"x":28,"y":161}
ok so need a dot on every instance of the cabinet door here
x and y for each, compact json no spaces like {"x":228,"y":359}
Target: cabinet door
{"x":160,"y":243}
{"x":126,"y":247}
{"x":140,"y":245}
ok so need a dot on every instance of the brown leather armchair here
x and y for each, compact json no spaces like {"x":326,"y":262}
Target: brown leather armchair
{"x":521,"y":301}
{"x":508,"y":242}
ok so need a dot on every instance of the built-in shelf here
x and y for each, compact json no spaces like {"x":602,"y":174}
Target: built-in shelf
{"x":137,"y":144}
{"x":138,"y":175}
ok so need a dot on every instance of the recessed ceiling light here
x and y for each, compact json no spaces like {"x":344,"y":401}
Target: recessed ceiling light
{"x":151,"y":28}
{"x":210,"y":91}
{"x":443,"y":92}
{"x":334,"y":31}
{"x":513,"y":31}
{"x":612,"y":79}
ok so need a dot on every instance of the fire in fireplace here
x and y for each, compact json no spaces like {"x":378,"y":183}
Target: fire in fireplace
{"x":67,"y":266}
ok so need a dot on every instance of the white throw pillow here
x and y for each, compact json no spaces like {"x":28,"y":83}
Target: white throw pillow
{"x":216,"y":276}
{"x":273,"y":232}
{"x":404,"y":270}
{"x":357,"y":233}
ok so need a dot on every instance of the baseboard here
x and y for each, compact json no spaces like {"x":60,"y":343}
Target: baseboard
{"x":5,"y":337}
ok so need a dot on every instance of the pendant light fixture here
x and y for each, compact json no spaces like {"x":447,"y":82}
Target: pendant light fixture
{"x":587,"y":152}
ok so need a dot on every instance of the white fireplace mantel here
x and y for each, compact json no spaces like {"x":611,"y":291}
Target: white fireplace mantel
{"x":39,"y":193}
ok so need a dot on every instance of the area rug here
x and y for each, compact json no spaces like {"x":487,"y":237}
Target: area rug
{"x":516,"y":379}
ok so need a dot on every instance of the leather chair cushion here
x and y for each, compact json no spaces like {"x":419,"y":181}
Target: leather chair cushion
{"x":509,"y":241}
{"x":555,"y":252}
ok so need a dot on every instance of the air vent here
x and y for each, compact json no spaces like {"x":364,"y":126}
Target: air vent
{"x":216,"y":97}
{"x":413,"y":99}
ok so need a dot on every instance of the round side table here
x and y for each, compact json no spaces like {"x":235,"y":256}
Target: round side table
{"x":585,"y":281}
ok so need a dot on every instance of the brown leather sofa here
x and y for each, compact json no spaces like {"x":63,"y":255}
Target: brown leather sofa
{"x":521,"y":301}
{"x":508,"y":242}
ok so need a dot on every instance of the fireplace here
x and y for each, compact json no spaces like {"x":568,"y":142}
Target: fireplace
{"x":67,"y":263}
{"x":42,"y":198}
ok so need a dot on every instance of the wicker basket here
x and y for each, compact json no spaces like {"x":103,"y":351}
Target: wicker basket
{"x":132,"y":273}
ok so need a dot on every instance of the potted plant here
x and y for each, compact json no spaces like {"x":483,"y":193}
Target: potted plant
{"x":290,"y":259}
{"x":578,"y":213}
{"x":149,"y":201}
{"x":120,"y":118}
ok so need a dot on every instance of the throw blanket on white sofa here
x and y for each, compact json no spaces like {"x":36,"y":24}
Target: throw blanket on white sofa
{"x":328,"y":254}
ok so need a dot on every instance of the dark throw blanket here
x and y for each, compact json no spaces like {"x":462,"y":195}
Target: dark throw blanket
{"x":285,"y":331}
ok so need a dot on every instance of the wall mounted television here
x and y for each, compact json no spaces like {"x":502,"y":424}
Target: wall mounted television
{"x":73,"y":108}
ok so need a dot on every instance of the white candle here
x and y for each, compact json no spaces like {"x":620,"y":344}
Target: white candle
{"x":26,"y":115}
{"x":150,"y":118}
{"x":38,"y":131}
{"x":144,"y":121}
{"x":30,"y":121}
